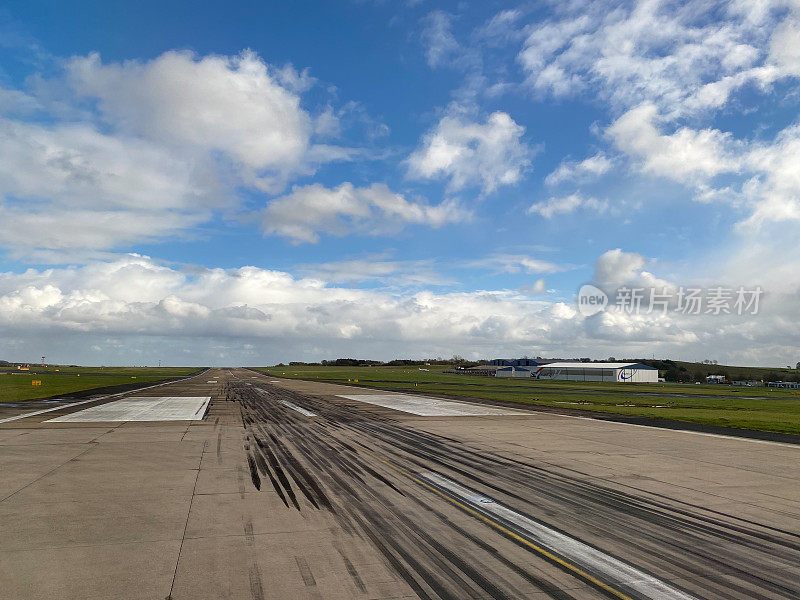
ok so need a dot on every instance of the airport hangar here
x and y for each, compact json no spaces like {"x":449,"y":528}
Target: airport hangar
{"x":580,"y":371}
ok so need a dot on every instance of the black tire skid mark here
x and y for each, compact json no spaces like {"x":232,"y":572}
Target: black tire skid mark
{"x":611,"y":500}
{"x":442,"y":564}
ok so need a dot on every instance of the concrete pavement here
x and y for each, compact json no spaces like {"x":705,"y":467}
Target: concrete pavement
{"x":261,"y":501}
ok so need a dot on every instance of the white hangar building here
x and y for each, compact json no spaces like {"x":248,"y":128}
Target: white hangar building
{"x":578,"y":371}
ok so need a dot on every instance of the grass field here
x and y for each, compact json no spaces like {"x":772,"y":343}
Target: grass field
{"x":135,"y":371}
{"x":16,"y":386}
{"x":763,"y":409}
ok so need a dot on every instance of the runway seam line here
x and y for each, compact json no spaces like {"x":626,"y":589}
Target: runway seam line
{"x":54,"y":469}
{"x":186,"y":524}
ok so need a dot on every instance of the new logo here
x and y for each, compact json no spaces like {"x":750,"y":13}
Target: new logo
{"x":591,"y":300}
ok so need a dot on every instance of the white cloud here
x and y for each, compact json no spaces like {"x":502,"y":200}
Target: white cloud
{"x":502,"y":27}
{"x":110,"y":154}
{"x":784,"y":45}
{"x":539,"y":287}
{"x":248,"y":303}
{"x":586,"y":169}
{"x":696,"y":157}
{"x":774,"y":191}
{"x":311,"y":210}
{"x":441,"y":45}
{"x":567,"y":204}
{"x":15,"y":101}
{"x":616,"y":266}
{"x":77,"y":166}
{"x":377,"y":268}
{"x":468,"y":153}
{"x":132,"y":306}
{"x":71,"y":187}
{"x":516,"y":263}
{"x":651,"y":52}
{"x":662,"y":73}
{"x":686,"y":154}
{"x":234,"y":105}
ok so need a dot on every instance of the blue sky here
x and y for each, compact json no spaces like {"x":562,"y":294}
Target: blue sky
{"x":237,"y":183}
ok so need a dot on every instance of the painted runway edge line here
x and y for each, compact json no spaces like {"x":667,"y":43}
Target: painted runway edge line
{"x":47,"y":410}
{"x":595,"y":562}
{"x":657,"y":428}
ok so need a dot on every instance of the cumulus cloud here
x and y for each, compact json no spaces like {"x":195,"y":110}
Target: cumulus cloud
{"x":311,"y":210}
{"x":110,"y":154}
{"x":567,"y":204}
{"x":784,"y":45}
{"x":233,"y":105}
{"x":469,"y":153}
{"x":70,"y":187}
{"x":771,"y":189}
{"x":774,"y":189}
{"x":133,"y":307}
{"x":249,"y":303}
{"x":616,"y":266}
{"x":586,"y":169}
{"x":684,"y":154}
{"x":661,"y":72}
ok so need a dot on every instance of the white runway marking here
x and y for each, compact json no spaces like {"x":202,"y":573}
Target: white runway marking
{"x":46,"y":410}
{"x":288,"y":404}
{"x":299,"y":409}
{"x":139,"y":408}
{"x":430,"y":407}
{"x":63,"y":406}
{"x":592,"y":560}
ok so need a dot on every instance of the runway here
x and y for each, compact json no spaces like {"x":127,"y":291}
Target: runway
{"x":292,"y":489}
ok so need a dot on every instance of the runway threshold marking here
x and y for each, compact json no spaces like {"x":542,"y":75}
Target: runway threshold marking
{"x":142,"y":408}
{"x":474,"y":503}
{"x":430,"y":407}
{"x":98,"y":399}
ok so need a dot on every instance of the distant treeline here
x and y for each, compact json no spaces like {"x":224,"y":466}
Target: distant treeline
{"x":674,"y":370}
{"x":670,"y":370}
{"x":398,"y":362}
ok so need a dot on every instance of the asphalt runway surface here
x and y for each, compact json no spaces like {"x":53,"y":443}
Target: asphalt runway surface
{"x":287,"y":489}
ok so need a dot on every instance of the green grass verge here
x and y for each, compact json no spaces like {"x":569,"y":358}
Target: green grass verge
{"x":17,"y":386}
{"x":144,"y":371}
{"x":762,"y":409}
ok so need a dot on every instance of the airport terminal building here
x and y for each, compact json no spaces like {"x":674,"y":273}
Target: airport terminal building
{"x":613,"y":372}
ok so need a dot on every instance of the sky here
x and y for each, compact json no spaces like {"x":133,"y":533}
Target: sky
{"x":244,"y":183}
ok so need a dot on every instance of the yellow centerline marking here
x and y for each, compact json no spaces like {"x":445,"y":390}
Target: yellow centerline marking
{"x":544,"y":552}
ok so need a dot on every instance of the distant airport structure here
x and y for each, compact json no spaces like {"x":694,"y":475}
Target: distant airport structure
{"x":516,"y":362}
{"x":619,"y":372}
{"x":605,"y":371}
